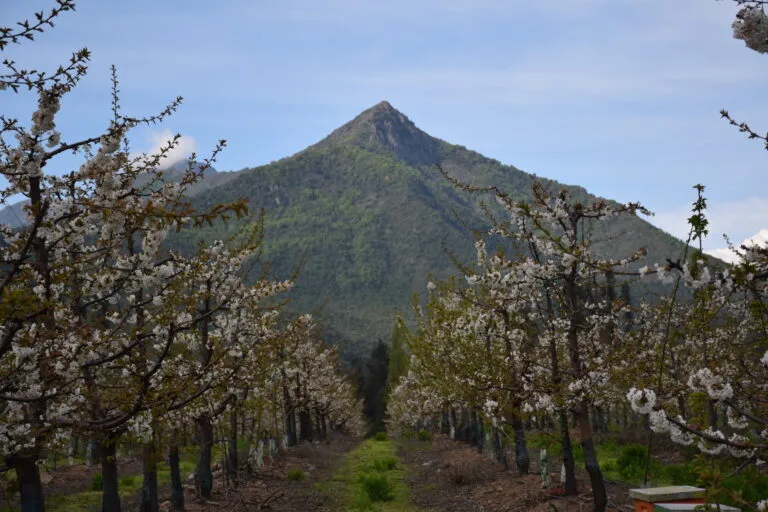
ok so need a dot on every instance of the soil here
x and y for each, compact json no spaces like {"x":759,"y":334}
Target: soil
{"x":448,"y":475}
{"x":270,"y":489}
{"x":443,"y":475}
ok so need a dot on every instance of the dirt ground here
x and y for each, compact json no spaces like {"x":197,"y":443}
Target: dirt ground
{"x":270,"y":489}
{"x":449,"y":476}
{"x":443,"y":475}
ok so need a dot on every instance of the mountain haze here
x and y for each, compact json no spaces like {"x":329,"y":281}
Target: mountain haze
{"x":370,"y":216}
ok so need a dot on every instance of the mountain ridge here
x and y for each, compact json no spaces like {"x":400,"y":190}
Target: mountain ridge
{"x":371,"y":216}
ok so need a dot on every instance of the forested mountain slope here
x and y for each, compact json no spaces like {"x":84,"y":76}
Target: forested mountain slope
{"x":368,"y":215}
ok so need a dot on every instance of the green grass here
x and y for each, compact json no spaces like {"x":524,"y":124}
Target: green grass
{"x":129,"y":485}
{"x":371,"y":479}
{"x":296,"y":475}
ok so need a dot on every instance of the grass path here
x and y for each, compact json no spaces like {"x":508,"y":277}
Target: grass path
{"x":371,"y":479}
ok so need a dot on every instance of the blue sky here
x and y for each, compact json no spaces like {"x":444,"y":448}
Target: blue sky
{"x":620,"y":96}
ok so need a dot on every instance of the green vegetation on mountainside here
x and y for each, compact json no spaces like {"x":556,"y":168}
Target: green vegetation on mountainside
{"x":369,"y":216}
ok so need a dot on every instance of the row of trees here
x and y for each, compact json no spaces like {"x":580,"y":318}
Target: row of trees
{"x":542,"y":332}
{"x":105,"y":335}
{"x":539,"y":330}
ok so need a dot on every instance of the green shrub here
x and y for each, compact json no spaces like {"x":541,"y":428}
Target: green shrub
{"x":679,"y":474}
{"x":632,"y":461}
{"x":126,"y":482}
{"x":377,"y":487}
{"x":361,"y":501}
{"x":380,"y":436}
{"x":578,"y":452}
{"x":608,"y":447}
{"x":387,"y":464}
{"x":97,"y":482}
{"x":423,"y":435}
{"x":750,"y":483}
{"x":296,"y":475}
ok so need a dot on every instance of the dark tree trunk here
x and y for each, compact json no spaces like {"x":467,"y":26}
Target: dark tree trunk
{"x":570,"y":465}
{"x":233,"y":462}
{"x":94,"y":449}
{"x":522,"y":459}
{"x":204,"y":481}
{"x":480,"y":433}
{"x":75,"y":448}
{"x":110,"y":499}
{"x":324,"y":425}
{"x":590,"y":461}
{"x":473,"y":428}
{"x":581,"y":414}
{"x":290,"y":418}
{"x":600,"y":420}
{"x":290,"y":428}
{"x":305,"y":425}
{"x":177,"y":491}
{"x":498,"y":448}
{"x":445,"y":424}
{"x":30,"y":486}
{"x":465,"y":430}
{"x":150,"y":502}
{"x":318,"y":427}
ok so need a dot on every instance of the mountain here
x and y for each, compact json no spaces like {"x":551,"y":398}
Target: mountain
{"x":14,"y":215}
{"x":367,"y":216}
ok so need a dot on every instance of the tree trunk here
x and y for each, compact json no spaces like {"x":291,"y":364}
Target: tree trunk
{"x":28,"y":478}
{"x":590,"y":460}
{"x":232,"y":463}
{"x":480,"y":433}
{"x":305,"y":425}
{"x":177,"y":491}
{"x":570,"y":465}
{"x":498,"y":448}
{"x":581,"y":415}
{"x":290,"y":418}
{"x":204,"y":480}
{"x":600,"y":420}
{"x":324,"y":425}
{"x":150,"y":501}
{"x":110,"y":498}
{"x":473,"y":428}
{"x":75,"y":447}
{"x":522,"y":459}
{"x":94,"y":450}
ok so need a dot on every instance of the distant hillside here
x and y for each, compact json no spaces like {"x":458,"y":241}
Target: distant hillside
{"x":14,"y":215}
{"x":371,"y":214}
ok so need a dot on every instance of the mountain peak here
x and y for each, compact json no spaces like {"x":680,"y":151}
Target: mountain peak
{"x":384,"y":129}
{"x":383,"y":106}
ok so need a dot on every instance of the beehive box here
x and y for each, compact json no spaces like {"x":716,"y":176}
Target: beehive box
{"x":673,"y":494}
{"x":670,"y":507}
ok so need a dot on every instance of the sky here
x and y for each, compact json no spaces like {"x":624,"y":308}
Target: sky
{"x":619,"y":96}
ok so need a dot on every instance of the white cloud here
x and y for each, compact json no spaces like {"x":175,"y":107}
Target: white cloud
{"x":726,"y":254}
{"x":737,"y":219}
{"x":158,"y":139}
